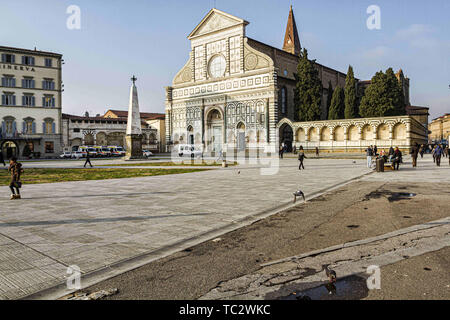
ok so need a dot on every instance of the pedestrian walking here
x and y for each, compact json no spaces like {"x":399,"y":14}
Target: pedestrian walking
{"x":446,"y":154}
{"x":375,"y":151}
{"x":369,"y":155}
{"x":2,"y":160}
{"x":415,"y":154}
{"x":317,"y":152}
{"x":15,"y":169}
{"x":438,"y":154}
{"x":421,"y":151}
{"x":88,"y":159}
{"x":301,"y":157}
{"x":434,"y":156}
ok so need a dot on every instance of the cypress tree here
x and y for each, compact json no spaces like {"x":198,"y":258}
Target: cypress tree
{"x":337,"y":104}
{"x":395,"y":93}
{"x":329,"y":97}
{"x":383,"y":97}
{"x":308,"y":90}
{"x":351,"y":110}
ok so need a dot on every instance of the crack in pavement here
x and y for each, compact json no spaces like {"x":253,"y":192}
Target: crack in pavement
{"x":277,"y":280}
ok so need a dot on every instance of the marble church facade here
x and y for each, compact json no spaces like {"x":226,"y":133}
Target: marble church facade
{"x":234,"y":91}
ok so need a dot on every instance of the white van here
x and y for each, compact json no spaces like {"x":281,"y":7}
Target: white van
{"x":189,"y":150}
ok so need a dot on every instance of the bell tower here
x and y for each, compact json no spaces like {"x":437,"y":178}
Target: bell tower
{"x":291,"y":39}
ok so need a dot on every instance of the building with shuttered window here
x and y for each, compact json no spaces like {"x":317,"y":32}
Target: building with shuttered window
{"x":30,"y":109}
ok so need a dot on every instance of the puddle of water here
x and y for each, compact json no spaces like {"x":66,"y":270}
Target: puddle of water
{"x":391,"y":196}
{"x":397,"y":196}
{"x":349,"y":288}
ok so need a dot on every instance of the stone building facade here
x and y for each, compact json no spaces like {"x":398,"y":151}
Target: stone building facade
{"x":110,"y":130}
{"x":354,"y":135}
{"x":233,"y":90}
{"x":236,"y":94}
{"x":440,"y":129}
{"x":31,"y":102}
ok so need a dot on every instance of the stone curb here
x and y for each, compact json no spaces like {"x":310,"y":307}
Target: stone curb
{"x":424,"y":226}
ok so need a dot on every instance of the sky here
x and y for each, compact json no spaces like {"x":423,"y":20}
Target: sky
{"x":148,"y":38}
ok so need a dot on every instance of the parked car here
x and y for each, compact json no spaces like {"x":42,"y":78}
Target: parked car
{"x":66,"y":155}
{"x":106,"y":152}
{"x":78,"y":155}
{"x":147,"y":153}
{"x":117,"y":151}
{"x":190,"y":150}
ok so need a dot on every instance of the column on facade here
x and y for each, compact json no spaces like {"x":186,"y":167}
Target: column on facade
{"x":408,"y":133}
{"x":202,"y":111}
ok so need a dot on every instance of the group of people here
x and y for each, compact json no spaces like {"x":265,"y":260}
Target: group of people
{"x":394,"y":156}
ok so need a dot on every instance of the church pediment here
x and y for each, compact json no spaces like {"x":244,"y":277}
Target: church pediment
{"x":215,"y":20}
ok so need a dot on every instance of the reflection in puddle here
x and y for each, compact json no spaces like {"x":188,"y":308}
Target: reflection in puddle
{"x":349,"y":288}
{"x":391,"y":196}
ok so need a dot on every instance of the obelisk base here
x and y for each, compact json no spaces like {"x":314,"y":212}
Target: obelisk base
{"x":134,"y":147}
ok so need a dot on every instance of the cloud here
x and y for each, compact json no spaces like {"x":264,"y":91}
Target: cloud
{"x":415,"y":31}
{"x":377,"y":53}
{"x":421,"y":36}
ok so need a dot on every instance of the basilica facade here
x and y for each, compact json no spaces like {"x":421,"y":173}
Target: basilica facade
{"x":235,"y":93}
{"x":233,"y":90}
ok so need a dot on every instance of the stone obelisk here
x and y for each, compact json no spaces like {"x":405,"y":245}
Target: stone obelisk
{"x":134,"y":132}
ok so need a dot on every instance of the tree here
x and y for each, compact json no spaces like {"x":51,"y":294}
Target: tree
{"x":329,"y":97}
{"x":383,"y":97}
{"x":395,"y":93}
{"x":337,"y":104}
{"x":308,"y":90}
{"x":351,"y":110}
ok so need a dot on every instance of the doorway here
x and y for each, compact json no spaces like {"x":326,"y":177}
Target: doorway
{"x":9,"y":150}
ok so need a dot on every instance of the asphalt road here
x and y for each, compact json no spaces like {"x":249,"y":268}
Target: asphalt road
{"x":352,"y":212}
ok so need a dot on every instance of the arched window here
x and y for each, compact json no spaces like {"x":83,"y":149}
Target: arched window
{"x":283,"y":100}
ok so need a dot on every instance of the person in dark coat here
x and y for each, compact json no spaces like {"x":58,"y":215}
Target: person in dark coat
{"x":438,"y":154}
{"x":391,"y":151}
{"x":88,"y":159}
{"x":301,"y":157}
{"x":16,"y":170}
{"x":397,"y":158}
{"x":421,"y":151}
{"x":317,"y":152}
{"x":415,"y":154}
{"x":375,"y":151}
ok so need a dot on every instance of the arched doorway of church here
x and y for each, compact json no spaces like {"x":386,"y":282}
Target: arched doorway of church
{"x":287,"y":136}
{"x":215,"y":130}
{"x":9,"y":149}
{"x":241,"y":143}
{"x":89,"y":139}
